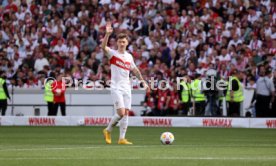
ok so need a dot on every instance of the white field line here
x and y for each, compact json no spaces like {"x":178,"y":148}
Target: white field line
{"x":70,"y":148}
{"x":143,"y":158}
{"x":47,"y":149}
{"x":130,"y":146}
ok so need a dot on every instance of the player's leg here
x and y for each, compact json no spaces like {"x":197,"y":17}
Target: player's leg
{"x":124,"y":120}
{"x":114,"y":121}
{"x":124,"y":124}
{"x":117,"y":99}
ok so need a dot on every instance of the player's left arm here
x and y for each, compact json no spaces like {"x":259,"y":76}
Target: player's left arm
{"x":138,"y":74}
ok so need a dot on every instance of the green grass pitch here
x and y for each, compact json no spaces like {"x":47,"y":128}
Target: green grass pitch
{"x":84,"y":146}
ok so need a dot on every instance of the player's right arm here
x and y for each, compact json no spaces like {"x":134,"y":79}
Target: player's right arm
{"x":109,"y":31}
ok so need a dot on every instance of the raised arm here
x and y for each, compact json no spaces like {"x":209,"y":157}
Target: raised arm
{"x":109,"y":31}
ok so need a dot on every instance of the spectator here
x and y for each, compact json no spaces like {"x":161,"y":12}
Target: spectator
{"x":256,"y":58}
{"x":29,"y":61}
{"x":255,"y":43}
{"x":265,"y":93}
{"x":87,"y":43}
{"x":150,"y":104}
{"x":40,"y":62}
{"x":173,"y":100}
{"x":274,"y":103}
{"x":251,"y":83}
{"x":224,"y":57}
{"x":72,"y":48}
{"x":235,"y":41}
{"x":60,"y":47}
{"x":162,"y":100}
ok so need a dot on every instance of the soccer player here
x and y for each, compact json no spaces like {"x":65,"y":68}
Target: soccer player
{"x":121,"y":64}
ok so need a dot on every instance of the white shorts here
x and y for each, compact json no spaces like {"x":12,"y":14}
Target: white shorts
{"x":121,"y":99}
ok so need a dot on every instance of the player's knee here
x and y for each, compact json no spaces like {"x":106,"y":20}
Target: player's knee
{"x":126,"y":112}
{"x":121,"y":112}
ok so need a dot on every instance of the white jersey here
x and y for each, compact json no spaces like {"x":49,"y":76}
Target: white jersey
{"x":121,"y":64}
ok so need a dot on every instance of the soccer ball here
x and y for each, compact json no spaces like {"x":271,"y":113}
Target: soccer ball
{"x":167,"y":138}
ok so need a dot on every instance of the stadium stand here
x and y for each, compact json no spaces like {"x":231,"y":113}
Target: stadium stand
{"x":169,"y":38}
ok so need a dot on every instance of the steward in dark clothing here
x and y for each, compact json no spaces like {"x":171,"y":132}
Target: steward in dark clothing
{"x":4,"y":95}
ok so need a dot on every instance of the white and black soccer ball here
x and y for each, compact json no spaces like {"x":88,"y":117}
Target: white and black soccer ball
{"x":167,"y":138}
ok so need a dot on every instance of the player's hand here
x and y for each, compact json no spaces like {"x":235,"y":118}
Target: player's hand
{"x":108,"y":28}
{"x":146,"y":86}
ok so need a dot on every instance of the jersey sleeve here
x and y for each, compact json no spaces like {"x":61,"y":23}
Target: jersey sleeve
{"x":132,"y":64}
{"x":110,"y":53}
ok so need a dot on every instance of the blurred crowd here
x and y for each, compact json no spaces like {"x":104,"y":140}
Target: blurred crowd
{"x":168,"y":38}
